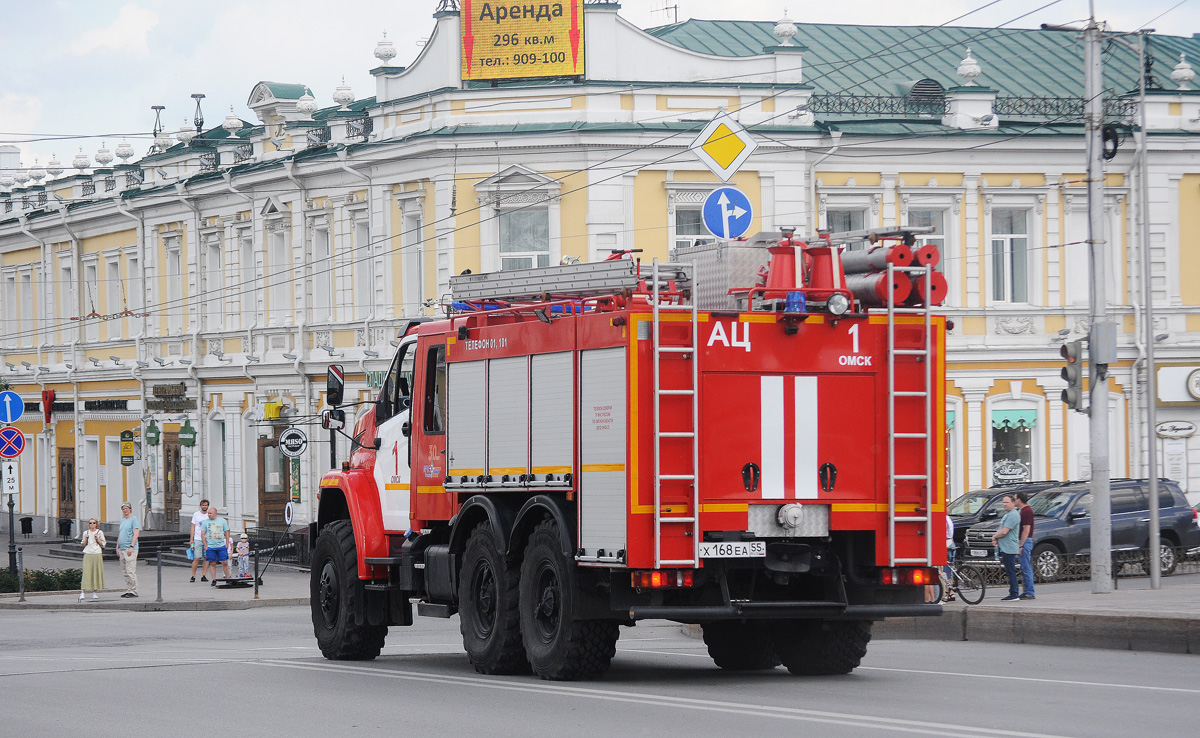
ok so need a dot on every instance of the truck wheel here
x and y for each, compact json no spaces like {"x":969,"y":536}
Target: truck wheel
{"x":1047,"y":562}
{"x":333,"y":591}
{"x":558,"y":646}
{"x":815,"y":647}
{"x":740,"y":646}
{"x":488,"y":612}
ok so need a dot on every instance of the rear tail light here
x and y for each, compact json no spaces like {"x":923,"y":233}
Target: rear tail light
{"x":669,"y":579}
{"x":907,"y":576}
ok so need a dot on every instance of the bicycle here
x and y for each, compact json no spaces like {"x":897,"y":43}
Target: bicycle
{"x":964,"y":580}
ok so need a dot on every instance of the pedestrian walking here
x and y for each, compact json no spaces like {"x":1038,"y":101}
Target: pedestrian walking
{"x":127,"y":548}
{"x":198,"y":519}
{"x":217,"y":543}
{"x":1007,"y":543}
{"x":93,"y":560}
{"x":1026,"y":546}
{"x":243,"y":554}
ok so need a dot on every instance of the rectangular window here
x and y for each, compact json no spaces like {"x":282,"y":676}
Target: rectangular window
{"x":937,"y":220}
{"x":840,"y":221}
{"x":414,"y":263}
{"x":364,"y":288}
{"x":689,"y":227}
{"x":26,"y":305}
{"x":91,"y":298}
{"x":279,"y":279}
{"x":435,"y":390}
{"x":114,"y":303}
{"x":174,"y":275}
{"x":524,"y":238}
{"x":133,"y":290}
{"x":248,"y":286}
{"x":322,"y":280}
{"x":1010,"y":259}
{"x":11,"y":316}
{"x":66,"y":301}
{"x":214,"y":278}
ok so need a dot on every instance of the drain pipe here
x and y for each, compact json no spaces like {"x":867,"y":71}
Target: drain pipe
{"x":812,"y":183}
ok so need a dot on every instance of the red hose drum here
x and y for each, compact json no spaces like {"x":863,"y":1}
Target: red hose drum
{"x":876,"y":259}
{"x":872,"y":289}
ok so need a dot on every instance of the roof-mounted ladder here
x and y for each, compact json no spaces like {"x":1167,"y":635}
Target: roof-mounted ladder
{"x":592,"y":279}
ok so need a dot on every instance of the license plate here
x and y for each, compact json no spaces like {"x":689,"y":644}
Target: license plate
{"x":979,"y":552}
{"x":737,"y":550}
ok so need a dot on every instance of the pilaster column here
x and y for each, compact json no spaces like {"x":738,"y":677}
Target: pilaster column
{"x":1052,"y":387}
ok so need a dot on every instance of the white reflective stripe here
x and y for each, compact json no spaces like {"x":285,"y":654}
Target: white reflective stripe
{"x":771,"y":399}
{"x":835,"y":263}
{"x":806,"y":438}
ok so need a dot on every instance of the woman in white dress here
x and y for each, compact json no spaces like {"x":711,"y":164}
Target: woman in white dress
{"x":93,"y":560}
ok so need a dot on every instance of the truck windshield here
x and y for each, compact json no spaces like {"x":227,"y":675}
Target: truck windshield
{"x":1051,"y":503}
{"x":969,"y":504}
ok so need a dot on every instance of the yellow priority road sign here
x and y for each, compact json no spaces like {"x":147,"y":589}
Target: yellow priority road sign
{"x":723,"y":146}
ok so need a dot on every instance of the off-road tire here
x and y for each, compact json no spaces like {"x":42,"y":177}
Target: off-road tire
{"x":559,"y":647}
{"x":740,"y":646}
{"x":488,"y":606}
{"x":1168,"y":558}
{"x":815,"y":647}
{"x":334,"y":592}
{"x":1047,"y":562}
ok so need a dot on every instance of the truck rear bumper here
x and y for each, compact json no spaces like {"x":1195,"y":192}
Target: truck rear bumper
{"x":785,"y":610}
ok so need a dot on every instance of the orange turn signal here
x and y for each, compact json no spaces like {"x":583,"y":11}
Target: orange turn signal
{"x":659,"y":579}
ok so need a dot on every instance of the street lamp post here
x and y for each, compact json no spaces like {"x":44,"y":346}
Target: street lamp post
{"x":12,"y":538}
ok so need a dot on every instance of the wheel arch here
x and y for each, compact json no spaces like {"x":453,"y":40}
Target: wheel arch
{"x":476,"y":510}
{"x":539,"y":508}
{"x":352,"y":496}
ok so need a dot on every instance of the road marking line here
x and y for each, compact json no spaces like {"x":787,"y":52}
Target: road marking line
{"x":787,"y":713}
{"x":1034,"y":679}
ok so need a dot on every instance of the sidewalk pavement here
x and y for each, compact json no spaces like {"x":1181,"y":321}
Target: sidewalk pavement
{"x":1134,"y":617}
{"x":280,"y":586}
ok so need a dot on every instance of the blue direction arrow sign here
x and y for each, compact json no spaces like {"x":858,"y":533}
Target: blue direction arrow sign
{"x":12,"y":442}
{"x":727,"y":212}
{"x":11,"y":406}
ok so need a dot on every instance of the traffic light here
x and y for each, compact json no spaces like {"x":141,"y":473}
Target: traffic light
{"x":1072,"y":374}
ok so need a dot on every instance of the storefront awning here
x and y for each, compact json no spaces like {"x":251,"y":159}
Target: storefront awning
{"x":949,"y":420}
{"x":1013,"y":418}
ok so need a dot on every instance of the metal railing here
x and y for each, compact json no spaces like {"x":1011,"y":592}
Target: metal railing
{"x":1023,"y":106}
{"x":289,"y":546}
{"x":134,"y":178}
{"x":1077,"y":567}
{"x":89,"y":188}
{"x":317,"y":137}
{"x":360,"y":127}
{"x":243,"y":153}
{"x":210,"y":161}
{"x":840,"y":103}
{"x":110,"y":183}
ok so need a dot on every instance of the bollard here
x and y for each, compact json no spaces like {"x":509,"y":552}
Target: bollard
{"x":256,"y":573}
{"x":21,"y":571}
{"x":159,"y":562}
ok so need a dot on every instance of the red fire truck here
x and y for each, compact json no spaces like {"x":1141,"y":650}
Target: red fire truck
{"x":747,"y":438}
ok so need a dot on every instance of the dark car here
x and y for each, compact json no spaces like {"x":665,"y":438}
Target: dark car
{"x":1062,"y":525}
{"x":986,"y":504}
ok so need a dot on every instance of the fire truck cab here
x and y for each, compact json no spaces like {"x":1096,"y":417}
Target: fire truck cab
{"x":747,"y":438}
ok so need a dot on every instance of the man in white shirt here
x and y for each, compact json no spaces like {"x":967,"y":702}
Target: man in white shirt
{"x":198,"y":519}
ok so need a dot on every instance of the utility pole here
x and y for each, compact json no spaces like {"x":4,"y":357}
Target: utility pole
{"x":1101,"y":336}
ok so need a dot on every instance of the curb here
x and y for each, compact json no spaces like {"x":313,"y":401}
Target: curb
{"x":187,"y":606}
{"x":1112,"y":631}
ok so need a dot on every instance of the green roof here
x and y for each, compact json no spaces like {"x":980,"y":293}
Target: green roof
{"x":287,"y":90}
{"x":883,"y":60}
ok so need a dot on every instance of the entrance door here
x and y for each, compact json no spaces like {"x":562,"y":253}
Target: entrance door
{"x":172,"y":480}
{"x":274,"y":481}
{"x":66,"y":483}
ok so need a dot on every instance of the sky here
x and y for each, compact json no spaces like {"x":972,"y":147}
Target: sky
{"x":85,"y":72}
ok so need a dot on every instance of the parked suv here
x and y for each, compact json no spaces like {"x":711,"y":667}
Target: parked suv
{"x":985,"y":504}
{"x":1062,"y":524}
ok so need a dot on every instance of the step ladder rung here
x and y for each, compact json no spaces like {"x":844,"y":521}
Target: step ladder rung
{"x":926,"y":562}
{"x":675,"y":392}
{"x":911,"y":519}
{"x":909,"y":435}
{"x":677,"y":477}
{"x":677,"y":562}
{"x":913,"y":477}
{"x":676,"y":350}
{"x":910,"y":394}
{"x":688,"y":519}
{"x":911,"y":352}
{"x":676,"y":434}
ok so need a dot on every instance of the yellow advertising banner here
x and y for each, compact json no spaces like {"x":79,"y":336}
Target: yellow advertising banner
{"x":520,"y":40}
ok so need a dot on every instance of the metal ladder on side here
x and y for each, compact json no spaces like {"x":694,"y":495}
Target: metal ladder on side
{"x":691,"y":352}
{"x":925,"y":355}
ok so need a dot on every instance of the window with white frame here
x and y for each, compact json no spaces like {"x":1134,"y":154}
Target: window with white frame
{"x":1010,"y":255}
{"x":689,"y":226}
{"x":66,"y":299}
{"x":322,"y":275}
{"x":133,"y":288}
{"x":113,"y":304}
{"x":214,"y":280}
{"x":91,"y":297}
{"x":26,"y":305}
{"x":249,"y":285}
{"x":364,"y":281}
{"x":11,"y":316}
{"x":413,"y":260}
{"x":838,"y":220}
{"x":279,"y":278}
{"x":1012,"y":445}
{"x":524,"y":238}
{"x":936,"y":219}
{"x":175,"y":278}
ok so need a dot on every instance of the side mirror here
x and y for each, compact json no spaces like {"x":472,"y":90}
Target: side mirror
{"x":989,"y":514}
{"x":1077,"y":514}
{"x":406,"y":429}
{"x":378,"y":444}
{"x":335,"y":385}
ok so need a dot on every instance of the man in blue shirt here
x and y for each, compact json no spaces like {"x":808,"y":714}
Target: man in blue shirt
{"x":127,"y":548}
{"x":1007,"y":541}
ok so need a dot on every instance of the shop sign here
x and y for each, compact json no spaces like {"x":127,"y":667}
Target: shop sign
{"x":187,"y":434}
{"x":152,"y":434}
{"x":1175,"y":429}
{"x":127,"y":448}
{"x":1010,"y":471}
{"x":511,"y":40}
{"x":292,"y":443}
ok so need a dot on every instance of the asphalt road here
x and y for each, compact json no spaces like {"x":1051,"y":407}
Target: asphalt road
{"x":257,"y":672}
